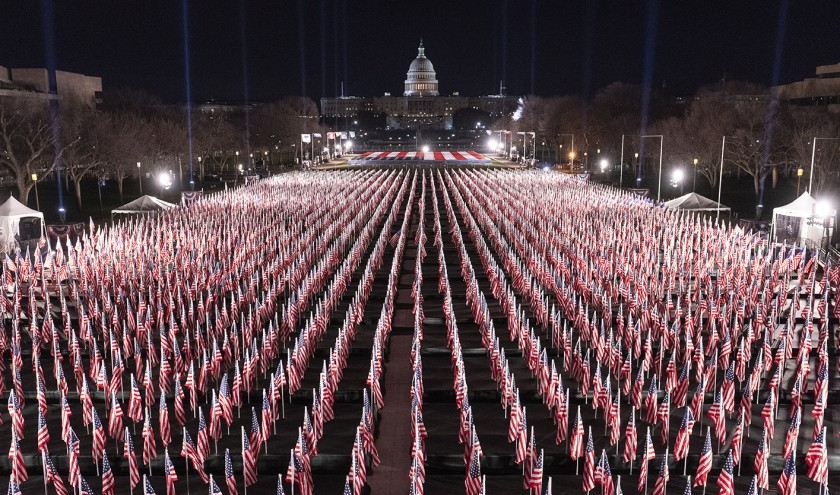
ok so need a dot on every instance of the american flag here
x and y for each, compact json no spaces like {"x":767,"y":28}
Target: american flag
{"x":716,"y":414}
{"x":630,"y":438}
{"x":787,"y":481}
{"x":43,"y":433}
{"x":163,"y":421}
{"x":171,"y":476}
{"x":249,"y":461}
{"x":472,"y":482}
{"x":576,"y":443}
{"x":128,"y":453}
{"x":214,"y":488}
{"x":149,"y":446}
{"x":817,"y":459}
{"x":728,"y":388}
{"x":230,"y":480}
{"x":648,"y":455}
{"x":107,"y":477}
{"x":606,"y":474}
{"x":147,"y":486}
{"x":683,"y":436}
{"x":792,"y":434}
{"x":769,"y":416}
{"x":725,"y":481}
{"x":760,"y":463}
{"x":202,"y":448}
{"x":52,"y":475}
{"x":662,"y":479}
{"x":84,"y":488}
{"x":589,"y":464}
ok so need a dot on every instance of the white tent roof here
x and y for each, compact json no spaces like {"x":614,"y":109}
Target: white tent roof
{"x":803,"y":206}
{"x":695,"y":202}
{"x":14,"y":208}
{"x":144,"y":204}
{"x":11,"y":213}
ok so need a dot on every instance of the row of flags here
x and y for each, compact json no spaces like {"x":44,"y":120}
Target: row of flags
{"x":624,"y":293}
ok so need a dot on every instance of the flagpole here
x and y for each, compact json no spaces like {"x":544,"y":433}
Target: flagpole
{"x":243,"y":461}
{"x":293,"y":470}
{"x":44,"y":466}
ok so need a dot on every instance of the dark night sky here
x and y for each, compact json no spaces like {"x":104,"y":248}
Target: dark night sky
{"x":262,"y":50}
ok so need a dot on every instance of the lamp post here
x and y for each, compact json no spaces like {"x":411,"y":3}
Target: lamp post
{"x":677,"y":177}
{"x":799,"y":173}
{"x":235,"y":162}
{"x":638,"y":175}
{"x":37,"y":199}
{"x":621,"y":164}
{"x":139,"y":178}
{"x":573,"y":142}
{"x":813,"y":154}
{"x":720,"y":179}
{"x":694,"y":184}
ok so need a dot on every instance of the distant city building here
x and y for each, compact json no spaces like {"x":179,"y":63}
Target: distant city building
{"x":421,"y":106}
{"x":35,"y":83}
{"x":821,"y":90}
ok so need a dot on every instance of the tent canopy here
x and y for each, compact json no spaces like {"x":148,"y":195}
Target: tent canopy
{"x":695,"y":202}
{"x":143,"y":204}
{"x":790,"y":222}
{"x":11,"y":213}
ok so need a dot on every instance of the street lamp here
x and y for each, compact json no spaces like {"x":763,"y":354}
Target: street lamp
{"x":37,"y":200}
{"x":425,"y":148}
{"x":694,"y":185}
{"x":799,"y":173}
{"x":139,"y":178}
{"x":164,"y":181}
{"x":604,"y":164}
{"x":638,"y":175}
{"x":823,"y":214}
{"x":677,"y":177}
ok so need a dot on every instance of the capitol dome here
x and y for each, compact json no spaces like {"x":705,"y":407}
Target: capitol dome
{"x":421,"y":79}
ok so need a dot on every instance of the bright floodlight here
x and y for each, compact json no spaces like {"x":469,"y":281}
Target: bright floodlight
{"x":677,"y":175}
{"x":546,"y":167}
{"x":823,"y":209}
{"x":348,"y":144}
{"x":425,"y":149}
{"x":164,"y":179}
{"x":493,"y":144}
{"x":604,"y":164}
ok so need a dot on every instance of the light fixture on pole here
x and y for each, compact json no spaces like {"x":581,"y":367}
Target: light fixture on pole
{"x":799,"y":173}
{"x":37,"y":199}
{"x":139,"y":178}
{"x":677,"y":177}
{"x":694,"y":184}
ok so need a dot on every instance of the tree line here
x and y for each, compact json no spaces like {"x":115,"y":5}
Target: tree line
{"x":765,"y":138}
{"x":41,"y":139}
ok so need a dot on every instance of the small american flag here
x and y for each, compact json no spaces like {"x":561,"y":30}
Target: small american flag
{"x":725,"y":481}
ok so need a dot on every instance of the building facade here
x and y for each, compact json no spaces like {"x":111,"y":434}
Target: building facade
{"x":68,"y":87}
{"x":824,"y":89}
{"x":421,"y":106}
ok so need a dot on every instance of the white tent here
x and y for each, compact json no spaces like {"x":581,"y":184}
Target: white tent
{"x":143,"y":204}
{"x":11,"y":213}
{"x":695,"y":202}
{"x":790,"y":222}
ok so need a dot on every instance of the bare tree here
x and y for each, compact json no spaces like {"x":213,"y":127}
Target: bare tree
{"x":30,"y":135}
{"x":802,"y":125}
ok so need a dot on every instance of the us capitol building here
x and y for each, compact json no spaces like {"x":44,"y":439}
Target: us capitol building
{"x":421,"y":106}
